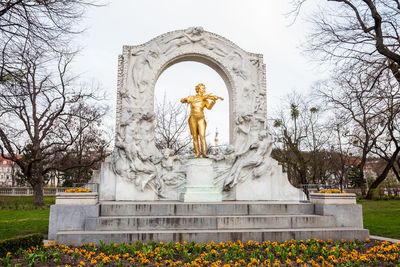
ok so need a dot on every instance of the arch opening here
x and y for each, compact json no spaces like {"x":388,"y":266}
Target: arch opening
{"x":177,"y":80}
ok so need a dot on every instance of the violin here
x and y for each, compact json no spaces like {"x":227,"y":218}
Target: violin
{"x":212,"y":97}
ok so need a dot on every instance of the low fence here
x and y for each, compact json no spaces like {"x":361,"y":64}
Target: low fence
{"x":47,"y":191}
{"x":28,"y":191}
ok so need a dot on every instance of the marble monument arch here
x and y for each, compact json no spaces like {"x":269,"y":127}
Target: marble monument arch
{"x":137,"y":170}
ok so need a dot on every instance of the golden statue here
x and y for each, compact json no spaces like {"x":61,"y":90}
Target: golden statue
{"x":197,"y":122}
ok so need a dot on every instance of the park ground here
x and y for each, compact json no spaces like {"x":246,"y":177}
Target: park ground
{"x":18,"y":216}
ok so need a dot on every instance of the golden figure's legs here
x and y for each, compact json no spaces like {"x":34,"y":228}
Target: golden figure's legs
{"x":196,"y":145}
{"x":194,"y":131}
{"x":202,"y":132}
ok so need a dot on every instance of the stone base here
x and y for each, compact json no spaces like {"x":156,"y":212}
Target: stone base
{"x":200,"y":182}
{"x":70,"y":218}
{"x":333,"y":199}
{"x":76,"y":198}
{"x":200,"y":194}
{"x":173,"y":221}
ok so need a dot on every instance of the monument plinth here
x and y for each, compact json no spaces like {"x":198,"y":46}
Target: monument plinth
{"x":200,"y":182}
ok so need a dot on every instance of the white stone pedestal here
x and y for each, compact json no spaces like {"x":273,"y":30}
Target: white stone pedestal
{"x":336,"y":199}
{"x":77,"y":198}
{"x":200,"y":182}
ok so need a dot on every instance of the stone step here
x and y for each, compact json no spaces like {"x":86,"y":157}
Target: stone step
{"x":208,"y":222}
{"x":176,"y":208}
{"x":203,"y":236}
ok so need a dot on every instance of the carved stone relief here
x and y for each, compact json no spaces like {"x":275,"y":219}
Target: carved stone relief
{"x":140,"y":171}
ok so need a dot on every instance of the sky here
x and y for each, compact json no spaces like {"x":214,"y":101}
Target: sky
{"x":257,"y":26}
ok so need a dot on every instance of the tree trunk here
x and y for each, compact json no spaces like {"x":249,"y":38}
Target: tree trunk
{"x":384,"y":174}
{"x":37,"y":187}
{"x":341,"y":182}
{"x":396,"y":172}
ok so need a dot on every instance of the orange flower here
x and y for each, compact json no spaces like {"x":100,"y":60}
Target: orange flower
{"x":77,"y":190}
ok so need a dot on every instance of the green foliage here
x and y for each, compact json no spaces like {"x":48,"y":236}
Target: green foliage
{"x":354,"y":176}
{"x":14,"y":244}
{"x":294,"y":111}
{"x":277,"y":123}
{"x":359,"y":197}
{"x":67,"y":182}
{"x":374,"y":194}
{"x":78,"y":175}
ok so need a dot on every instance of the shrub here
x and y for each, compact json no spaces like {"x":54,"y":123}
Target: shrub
{"x":385,"y":197}
{"x":360,"y":197}
{"x":15,"y":243}
{"x":374,"y":193}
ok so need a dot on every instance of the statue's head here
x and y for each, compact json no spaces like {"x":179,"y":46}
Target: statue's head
{"x":168,"y":152}
{"x":200,"y":88}
{"x":262,"y":134}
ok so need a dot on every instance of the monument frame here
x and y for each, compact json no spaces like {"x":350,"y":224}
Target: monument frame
{"x":136,"y":170}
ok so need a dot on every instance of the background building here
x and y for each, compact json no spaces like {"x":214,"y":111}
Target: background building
{"x":8,"y":172}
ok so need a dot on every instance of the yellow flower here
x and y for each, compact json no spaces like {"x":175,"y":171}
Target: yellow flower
{"x":77,"y":190}
{"x":331,"y":191}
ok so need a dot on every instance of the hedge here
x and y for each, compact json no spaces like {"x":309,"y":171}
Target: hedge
{"x":13,"y":244}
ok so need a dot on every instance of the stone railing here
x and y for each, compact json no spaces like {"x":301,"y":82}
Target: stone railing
{"x":28,"y":191}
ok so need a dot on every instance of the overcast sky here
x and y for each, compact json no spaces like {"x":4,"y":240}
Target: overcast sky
{"x":258,"y":26}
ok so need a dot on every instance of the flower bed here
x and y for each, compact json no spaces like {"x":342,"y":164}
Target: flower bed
{"x":289,"y":253}
{"x":331,"y":191}
{"x":77,"y":190}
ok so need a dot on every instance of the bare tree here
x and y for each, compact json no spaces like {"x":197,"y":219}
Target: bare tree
{"x":45,"y":24}
{"x":302,"y":140}
{"x":388,"y":147}
{"x":172,"y":130}
{"x":43,"y":115}
{"x":88,"y":150}
{"x":341,"y":151}
{"x":361,"y":38}
{"x":370,"y":108}
{"x":358,"y":36}
{"x":354,"y":101}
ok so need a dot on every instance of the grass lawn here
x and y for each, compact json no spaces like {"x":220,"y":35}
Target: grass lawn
{"x":18,"y":216}
{"x":382,"y":217}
